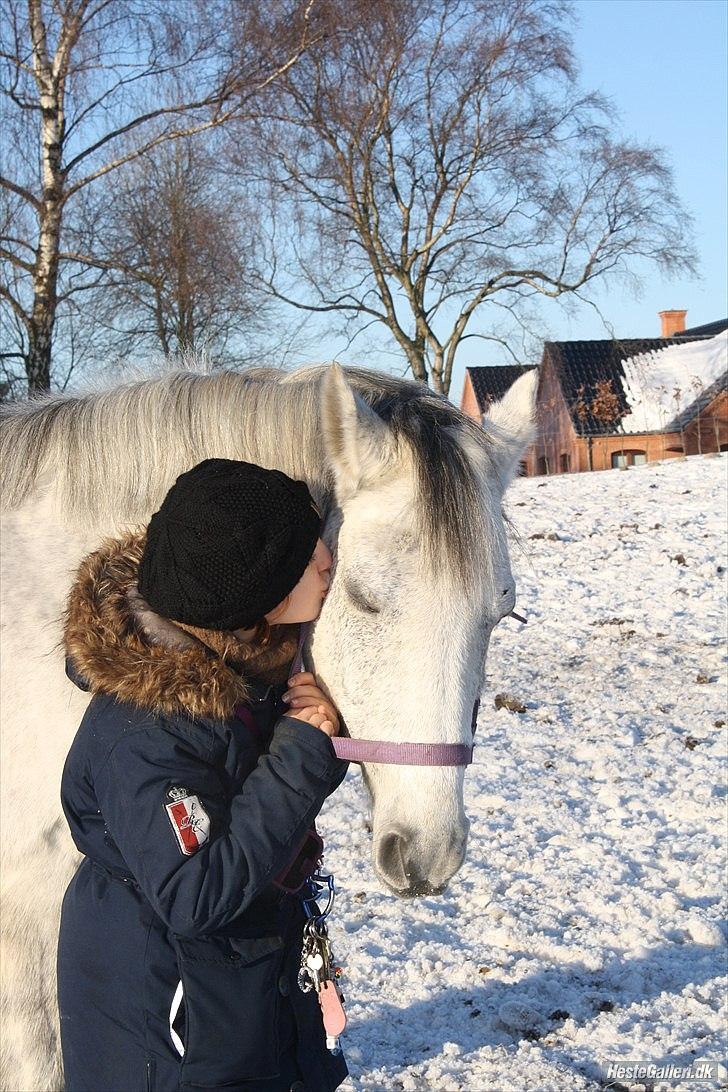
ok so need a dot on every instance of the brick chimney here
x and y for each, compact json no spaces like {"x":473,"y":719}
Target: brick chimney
{"x":673,"y":322}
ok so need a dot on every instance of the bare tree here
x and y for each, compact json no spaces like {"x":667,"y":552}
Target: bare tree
{"x":698,"y":387}
{"x":176,"y":240}
{"x":437,"y":156}
{"x":677,"y":398}
{"x":89,"y":86}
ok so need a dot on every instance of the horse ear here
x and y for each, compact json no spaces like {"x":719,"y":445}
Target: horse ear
{"x":511,"y":425}
{"x":356,"y":439}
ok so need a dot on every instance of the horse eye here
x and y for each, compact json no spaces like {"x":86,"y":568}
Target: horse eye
{"x":360,"y":600}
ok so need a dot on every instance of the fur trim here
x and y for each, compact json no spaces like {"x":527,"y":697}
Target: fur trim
{"x":122,"y":647}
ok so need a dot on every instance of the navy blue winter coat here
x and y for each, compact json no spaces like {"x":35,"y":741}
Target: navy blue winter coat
{"x":177,"y":954}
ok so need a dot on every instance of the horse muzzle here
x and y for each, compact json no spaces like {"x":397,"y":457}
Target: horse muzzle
{"x":408,"y":869}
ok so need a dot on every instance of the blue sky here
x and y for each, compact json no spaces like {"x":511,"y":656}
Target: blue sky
{"x":663,"y":65}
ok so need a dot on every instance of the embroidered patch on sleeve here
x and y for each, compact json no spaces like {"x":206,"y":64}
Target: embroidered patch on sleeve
{"x":190,"y":822}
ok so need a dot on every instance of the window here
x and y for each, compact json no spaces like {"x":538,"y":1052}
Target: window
{"x":628,"y":458}
{"x":564,"y":463}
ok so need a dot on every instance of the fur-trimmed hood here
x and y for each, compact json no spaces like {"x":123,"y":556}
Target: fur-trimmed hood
{"x":117,"y":644}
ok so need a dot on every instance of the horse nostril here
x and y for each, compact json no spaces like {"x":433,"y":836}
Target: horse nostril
{"x":392,"y":857}
{"x":396,"y":866}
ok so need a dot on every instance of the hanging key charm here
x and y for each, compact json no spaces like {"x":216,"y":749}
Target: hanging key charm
{"x":329,"y":995}
{"x":306,"y":980}
{"x":305,"y":984}
{"x":315,"y":956}
{"x":332,"y":1009}
{"x":315,"y":967}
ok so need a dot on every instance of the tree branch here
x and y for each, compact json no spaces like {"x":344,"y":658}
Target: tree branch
{"x":20,"y":191}
{"x":19,"y":311}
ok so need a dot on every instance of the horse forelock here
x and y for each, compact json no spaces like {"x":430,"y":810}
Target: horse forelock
{"x":112,"y":454}
{"x":451,"y":456}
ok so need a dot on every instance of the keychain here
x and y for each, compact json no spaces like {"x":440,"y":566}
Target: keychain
{"x":318,"y":971}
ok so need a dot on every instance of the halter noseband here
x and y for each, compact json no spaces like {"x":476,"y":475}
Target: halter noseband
{"x":393,"y":754}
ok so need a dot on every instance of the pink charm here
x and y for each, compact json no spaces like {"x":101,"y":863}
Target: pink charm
{"x":332,"y":1009}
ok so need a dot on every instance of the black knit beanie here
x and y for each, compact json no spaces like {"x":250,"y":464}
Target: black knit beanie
{"x":228,"y":544}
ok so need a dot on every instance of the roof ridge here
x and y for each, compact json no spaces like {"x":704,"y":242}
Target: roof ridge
{"x":617,"y":340}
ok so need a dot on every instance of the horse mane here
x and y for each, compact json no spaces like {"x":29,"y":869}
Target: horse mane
{"x":112,"y":453}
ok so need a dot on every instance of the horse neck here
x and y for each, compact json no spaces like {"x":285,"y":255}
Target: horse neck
{"x":114,"y":455}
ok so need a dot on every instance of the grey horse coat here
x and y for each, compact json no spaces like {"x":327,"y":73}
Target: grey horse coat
{"x":177,"y":954}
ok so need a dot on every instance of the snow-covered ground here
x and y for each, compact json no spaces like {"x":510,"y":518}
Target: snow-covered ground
{"x":586,"y":925}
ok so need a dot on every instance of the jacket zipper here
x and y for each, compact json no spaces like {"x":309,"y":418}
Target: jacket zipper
{"x":150,"y":1076}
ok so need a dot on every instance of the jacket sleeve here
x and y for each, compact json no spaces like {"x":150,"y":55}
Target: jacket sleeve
{"x":252,"y":837}
{"x":341,"y":766}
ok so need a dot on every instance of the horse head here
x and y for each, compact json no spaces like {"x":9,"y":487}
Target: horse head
{"x":421,"y":577}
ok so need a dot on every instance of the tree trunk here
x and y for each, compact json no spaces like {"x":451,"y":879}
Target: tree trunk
{"x":45,"y":280}
{"x":38,"y":357}
{"x":416,"y":359}
{"x":51,"y":89}
{"x":436,"y":372}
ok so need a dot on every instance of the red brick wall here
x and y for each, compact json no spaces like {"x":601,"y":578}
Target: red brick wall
{"x":556,"y":436}
{"x":468,"y":402}
{"x":656,"y":446}
{"x":713,"y":425}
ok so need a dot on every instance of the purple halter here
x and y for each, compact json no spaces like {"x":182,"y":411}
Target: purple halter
{"x":397,"y":754}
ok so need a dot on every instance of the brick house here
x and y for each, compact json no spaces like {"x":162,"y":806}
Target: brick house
{"x":620,"y":402}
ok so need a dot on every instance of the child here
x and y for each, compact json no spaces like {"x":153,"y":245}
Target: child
{"x":179,"y":944}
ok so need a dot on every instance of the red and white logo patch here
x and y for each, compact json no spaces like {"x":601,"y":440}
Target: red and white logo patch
{"x":190,"y":822}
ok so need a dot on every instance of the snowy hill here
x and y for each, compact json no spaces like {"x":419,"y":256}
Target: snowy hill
{"x":585,"y":926}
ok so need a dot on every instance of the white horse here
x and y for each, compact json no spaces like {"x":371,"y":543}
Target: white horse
{"x":411,"y":491}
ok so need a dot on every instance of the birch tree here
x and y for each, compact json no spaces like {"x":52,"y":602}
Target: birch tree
{"x":88,"y":87}
{"x":441,"y":166}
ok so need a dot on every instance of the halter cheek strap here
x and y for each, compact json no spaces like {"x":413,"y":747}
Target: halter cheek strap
{"x":384,"y":751}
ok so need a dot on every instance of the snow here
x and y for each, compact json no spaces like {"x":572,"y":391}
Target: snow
{"x":651,"y":380}
{"x":587,"y":923}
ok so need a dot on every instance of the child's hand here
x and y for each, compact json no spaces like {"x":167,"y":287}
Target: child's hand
{"x":308,"y":702}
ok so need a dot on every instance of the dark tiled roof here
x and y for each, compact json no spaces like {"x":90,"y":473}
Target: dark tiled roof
{"x":710,"y":329}
{"x":583,"y":364}
{"x":491,"y":383}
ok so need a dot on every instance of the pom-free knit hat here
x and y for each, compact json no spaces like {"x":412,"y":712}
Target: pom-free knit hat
{"x":229,"y":542}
